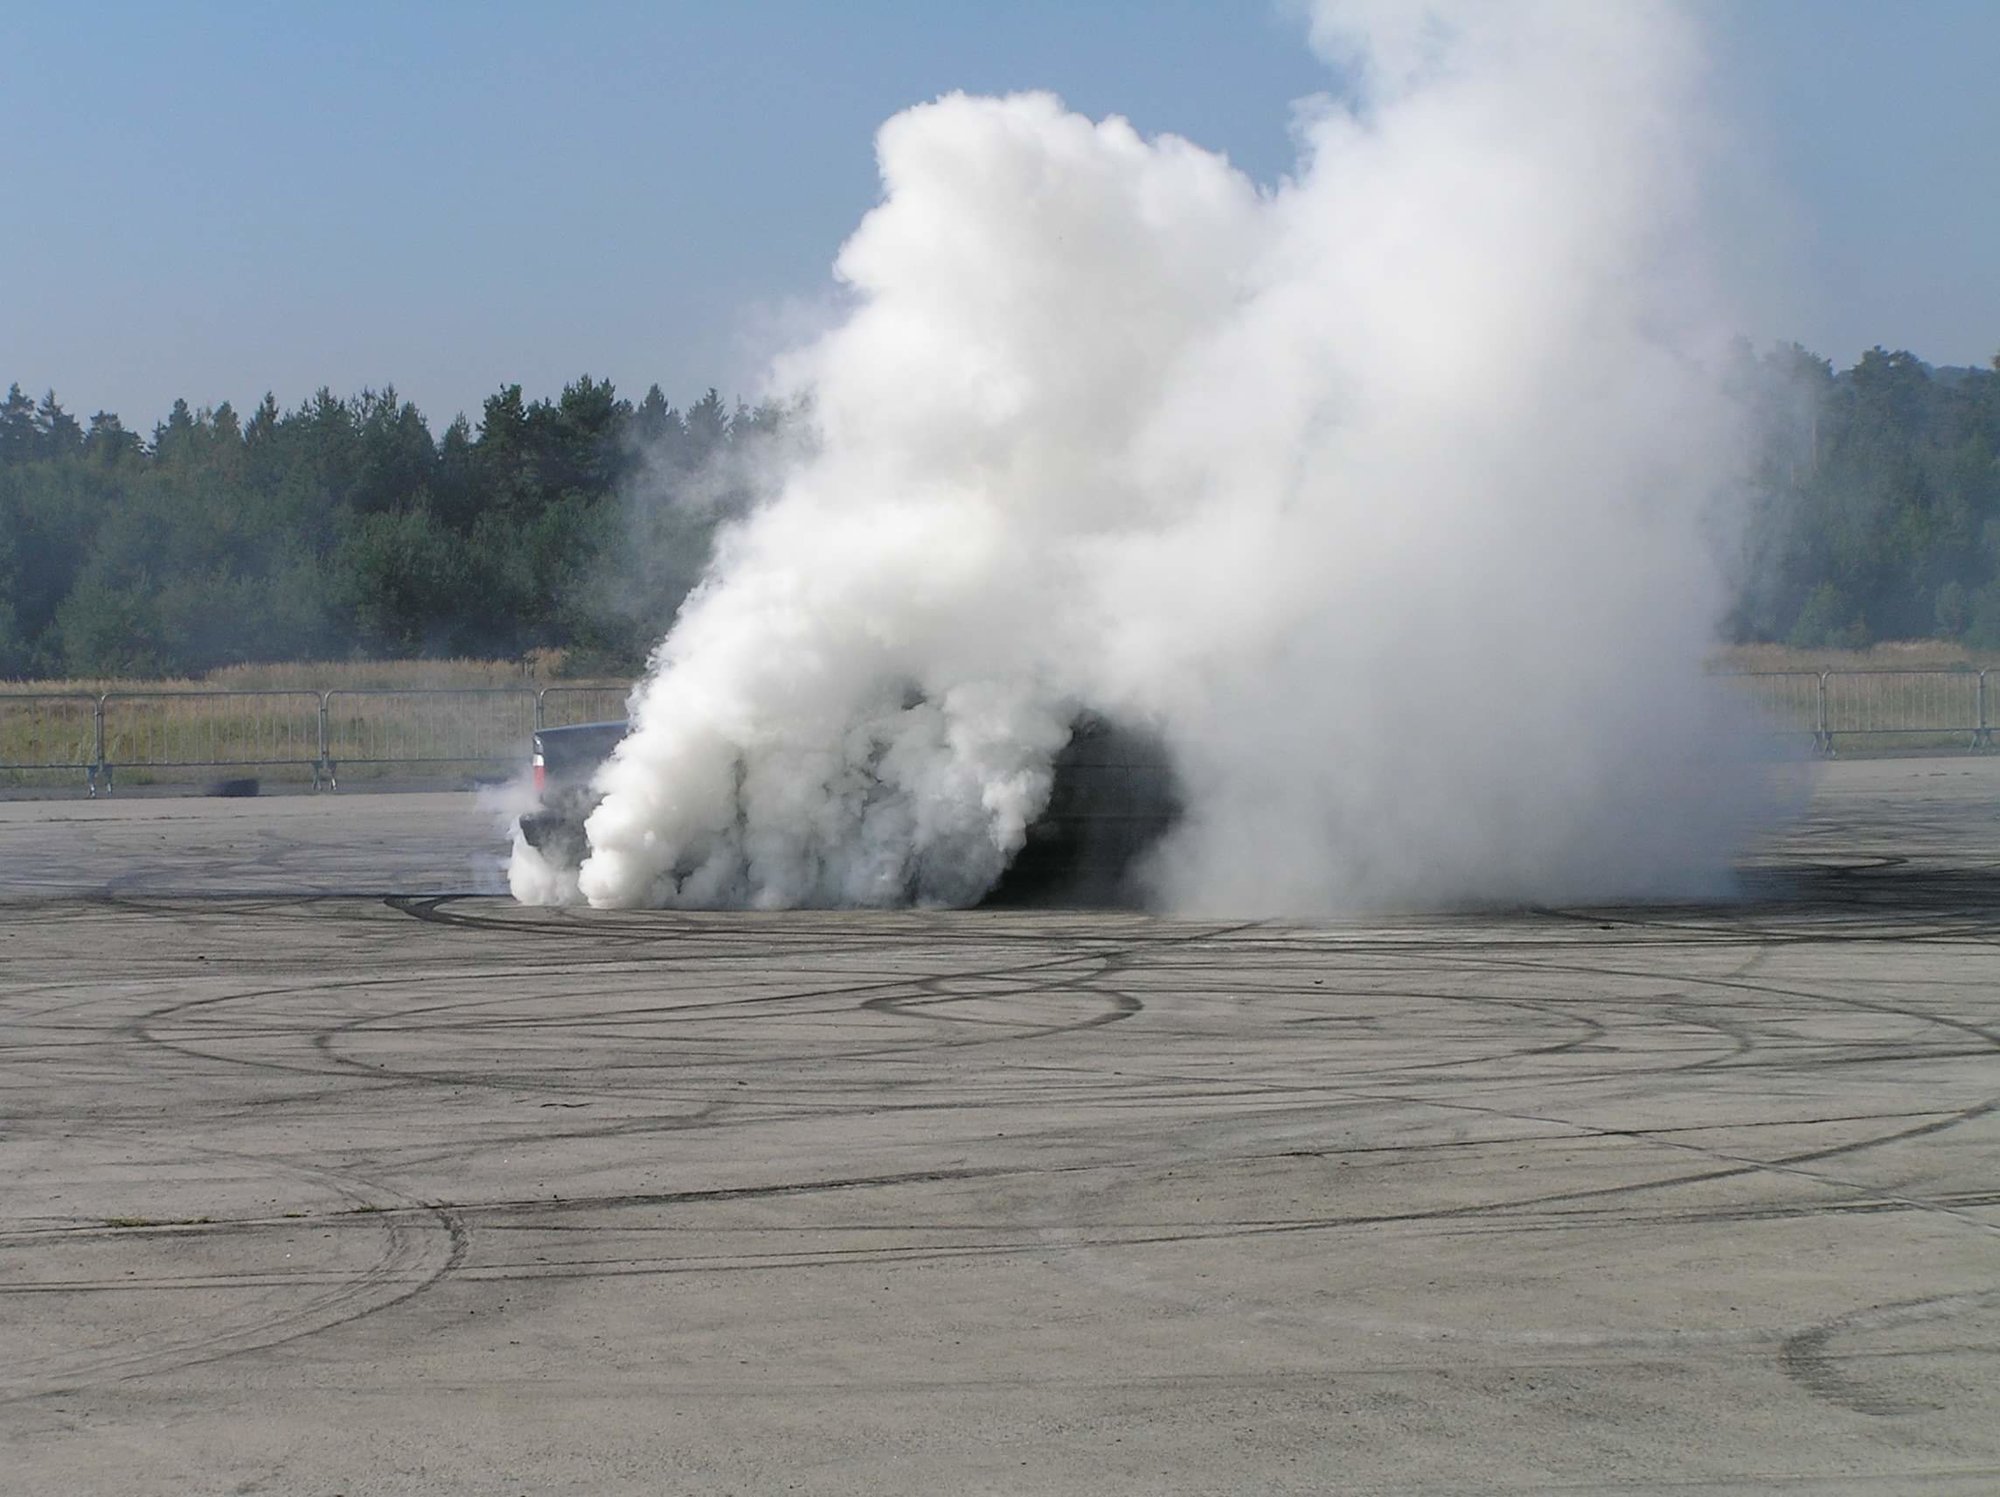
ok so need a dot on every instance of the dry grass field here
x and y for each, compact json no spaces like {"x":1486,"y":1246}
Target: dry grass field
{"x":1897,"y":655}
{"x":545,"y":669}
{"x":439,"y":717}
{"x":329,"y":675}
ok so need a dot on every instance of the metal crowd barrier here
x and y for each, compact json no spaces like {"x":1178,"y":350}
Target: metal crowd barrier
{"x":485,"y":726}
{"x":563,"y":706}
{"x":99,"y":735}
{"x":206,"y":730}
{"x":1790,"y":701}
{"x":50,"y":730}
{"x":1949,"y":703}
{"x":1830,"y":705}
{"x":317,"y":731}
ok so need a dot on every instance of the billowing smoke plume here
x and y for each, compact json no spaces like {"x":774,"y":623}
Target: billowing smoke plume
{"x":1386,"y":496}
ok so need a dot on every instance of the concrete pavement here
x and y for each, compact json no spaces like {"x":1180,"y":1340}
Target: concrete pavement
{"x":327,"y":1172}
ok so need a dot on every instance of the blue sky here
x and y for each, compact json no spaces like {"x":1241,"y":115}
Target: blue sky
{"x":216,"y":200}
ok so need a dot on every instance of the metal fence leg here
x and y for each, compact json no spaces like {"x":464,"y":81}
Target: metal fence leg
{"x":99,"y":770}
{"x":1982,"y":736}
{"x":323,"y":768}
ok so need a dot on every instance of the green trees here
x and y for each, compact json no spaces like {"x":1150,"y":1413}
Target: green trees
{"x":345,"y":527}
{"x":1876,"y":502}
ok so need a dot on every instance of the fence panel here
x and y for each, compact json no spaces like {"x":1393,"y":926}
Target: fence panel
{"x":564,"y":706}
{"x":157,"y":730}
{"x":48,"y":730}
{"x":1929,"y":702}
{"x":487,"y":726}
{"x":1788,"y":700}
{"x":209,"y":729}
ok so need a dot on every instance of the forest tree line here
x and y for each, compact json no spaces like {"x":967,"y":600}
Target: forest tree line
{"x":1875,"y":502}
{"x":346,"y":529}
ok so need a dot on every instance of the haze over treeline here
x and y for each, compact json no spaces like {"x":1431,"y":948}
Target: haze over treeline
{"x":347,"y":527}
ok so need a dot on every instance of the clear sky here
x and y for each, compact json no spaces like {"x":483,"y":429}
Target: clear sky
{"x":215,"y":200}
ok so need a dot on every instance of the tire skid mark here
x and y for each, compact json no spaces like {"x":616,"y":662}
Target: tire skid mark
{"x":144,"y":1027}
{"x":1114,"y":976}
{"x":1808,"y":1357}
{"x":398,"y":1275}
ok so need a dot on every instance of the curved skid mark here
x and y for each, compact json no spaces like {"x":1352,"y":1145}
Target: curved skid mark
{"x":1810,"y":1360}
{"x":406,"y":1267}
{"x":1057,"y":980}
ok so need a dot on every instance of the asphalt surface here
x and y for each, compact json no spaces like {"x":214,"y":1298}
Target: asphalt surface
{"x":324,"y":1170}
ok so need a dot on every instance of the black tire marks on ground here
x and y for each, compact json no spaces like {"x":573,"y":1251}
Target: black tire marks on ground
{"x":419,"y":1246}
{"x":1039,"y":999}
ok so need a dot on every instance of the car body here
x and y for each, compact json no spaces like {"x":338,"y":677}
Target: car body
{"x":563,"y":762}
{"x":1114,"y":796}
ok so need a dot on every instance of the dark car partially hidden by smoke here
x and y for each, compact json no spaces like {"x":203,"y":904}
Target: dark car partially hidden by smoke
{"x":1114,"y":795}
{"x":562,"y":762}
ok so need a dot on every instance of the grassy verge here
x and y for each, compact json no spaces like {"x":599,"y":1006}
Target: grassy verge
{"x":400,"y":718}
{"x":1899,"y":655}
{"x":451,"y":718}
{"x":327,"y":675}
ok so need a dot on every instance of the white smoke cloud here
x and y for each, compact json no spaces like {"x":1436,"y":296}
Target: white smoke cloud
{"x":1386,"y":496}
